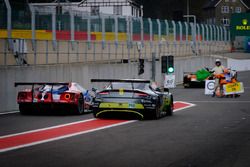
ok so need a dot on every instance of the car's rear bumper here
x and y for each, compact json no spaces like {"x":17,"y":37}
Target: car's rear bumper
{"x":116,"y":111}
{"x":194,"y":84}
{"x":44,"y":107}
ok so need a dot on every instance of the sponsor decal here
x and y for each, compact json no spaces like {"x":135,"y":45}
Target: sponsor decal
{"x":244,"y":26}
{"x":209,"y":87}
{"x":233,"y":88}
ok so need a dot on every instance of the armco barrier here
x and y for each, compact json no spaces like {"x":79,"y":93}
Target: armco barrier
{"x":82,"y":73}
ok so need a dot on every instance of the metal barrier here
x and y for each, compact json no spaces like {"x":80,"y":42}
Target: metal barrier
{"x":42,"y":35}
{"x":32,"y":52}
{"x":70,"y":23}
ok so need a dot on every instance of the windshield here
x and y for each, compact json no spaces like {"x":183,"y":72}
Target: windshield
{"x":128,"y":86}
{"x":47,"y":88}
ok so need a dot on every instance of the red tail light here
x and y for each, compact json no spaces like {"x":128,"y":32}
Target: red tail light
{"x":67,"y":96}
{"x":24,"y":97}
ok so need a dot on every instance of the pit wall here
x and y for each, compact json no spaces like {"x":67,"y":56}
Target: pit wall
{"x":82,"y":73}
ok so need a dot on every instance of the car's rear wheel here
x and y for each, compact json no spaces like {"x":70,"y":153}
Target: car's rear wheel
{"x":156,"y":113}
{"x":170,"y":108}
{"x":186,"y":85}
{"x":80,"y":107}
{"x":24,"y":109}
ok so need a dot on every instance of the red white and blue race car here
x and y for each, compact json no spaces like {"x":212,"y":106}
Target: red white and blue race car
{"x":66,"y":97}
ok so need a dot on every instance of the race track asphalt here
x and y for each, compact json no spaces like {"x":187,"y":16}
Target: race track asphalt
{"x":214,"y":133}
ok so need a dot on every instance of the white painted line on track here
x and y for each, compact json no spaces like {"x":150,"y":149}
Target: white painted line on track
{"x":66,"y":136}
{"x":11,"y":112}
{"x":189,"y":105}
{"x":58,"y":126}
{"x":219,"y":101}
{"x":52,"y":127}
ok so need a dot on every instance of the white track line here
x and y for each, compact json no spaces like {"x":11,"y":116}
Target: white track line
{"x":11,"y":112}
{"x":42,"y":129}
{"x":71,"y":135}
{"x":190,"y":105}
{"x":66,"y":136}
{"x":220,"y":101}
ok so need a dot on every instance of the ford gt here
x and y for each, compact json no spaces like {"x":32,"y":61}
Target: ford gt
{"x":40,"y":97}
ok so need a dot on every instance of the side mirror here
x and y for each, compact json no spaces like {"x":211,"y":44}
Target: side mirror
{"x":94,"y":89}
{"x":158,"y":89}
{"x":166,"y":90}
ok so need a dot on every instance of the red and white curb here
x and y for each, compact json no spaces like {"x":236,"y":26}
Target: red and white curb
{"x":181,"y":105}
{"x":39,"y":136}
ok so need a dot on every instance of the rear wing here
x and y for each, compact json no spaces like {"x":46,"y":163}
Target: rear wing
{"x":121,"y":80}
{"x":40,"y":83}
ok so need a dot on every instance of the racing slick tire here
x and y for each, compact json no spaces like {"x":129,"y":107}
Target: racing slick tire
{"x":156,"y":113}
{"x":24,"y":109}
{"x":80,"y":107}
{"x":170,"y":108}
{"x":95,"y":114}
{"x":186,"y":85}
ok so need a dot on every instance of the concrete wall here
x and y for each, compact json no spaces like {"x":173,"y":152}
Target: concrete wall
{"x":239,"y":65}
{"x":82,"y":73}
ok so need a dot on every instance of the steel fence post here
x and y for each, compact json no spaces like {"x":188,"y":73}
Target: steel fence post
{"x":5,"y":51}
{"x":159,"y":29}
{"x":207,"y":33}
{"x":211,"y":33}
{"x":103,"y":32}
{"x":33,"y":24}
{"x":180,"y":26}
{"x":116,"y":31}
{"x":167,"y":29}
{"x":142,"y":30}
{"x":47,"y":51}
{"x":174,"y":30}
{"x":202,"y":32}
{"x":221,"y":33}
{"x":218,"y":33}
{"x":214,"y":28}
{"x":225,"y":34}
{"x":72,"y":26}
{"x":131,"y":29}
{"x":54,"y":28}
{"x":150,"y":32}
{"x":89,"y":31}
{"x":9,"y":22}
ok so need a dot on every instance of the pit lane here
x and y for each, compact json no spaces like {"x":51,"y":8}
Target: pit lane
{"x":213,"y":133}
